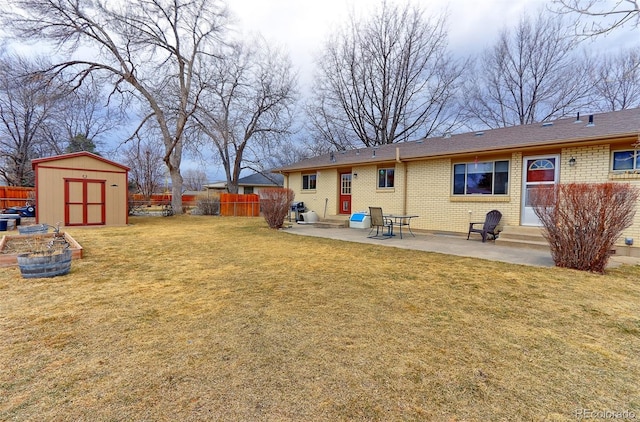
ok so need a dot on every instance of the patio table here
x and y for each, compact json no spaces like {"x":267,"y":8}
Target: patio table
{"x":402,"y":220}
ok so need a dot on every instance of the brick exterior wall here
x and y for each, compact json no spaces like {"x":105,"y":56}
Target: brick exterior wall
{"x":592,"y":164}
{"x":365,"y":192}
{"x":326,"y":191}
{"x":428,"y":190}
{"x":430,"y":185}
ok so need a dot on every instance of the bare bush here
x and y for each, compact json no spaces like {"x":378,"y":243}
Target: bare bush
{"x":208,"y":205}
{"x":275,"y":204}
{"x":582,"y":221}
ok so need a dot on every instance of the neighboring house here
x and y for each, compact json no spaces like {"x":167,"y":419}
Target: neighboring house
{"x":454,"y":179}
{"x":251,"y":184}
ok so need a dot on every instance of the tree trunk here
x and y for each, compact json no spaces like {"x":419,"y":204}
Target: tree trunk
{"x":232,"y":187}
{"x":176,"y":190}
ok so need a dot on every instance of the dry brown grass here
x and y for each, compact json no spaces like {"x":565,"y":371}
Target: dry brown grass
{"x":201,"y":318}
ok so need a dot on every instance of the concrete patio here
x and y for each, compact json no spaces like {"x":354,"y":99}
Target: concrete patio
{"x":445,"y":243}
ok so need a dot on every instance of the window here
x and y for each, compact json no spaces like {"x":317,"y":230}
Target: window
{"x":626,"y":160}
{"x":541,"y":170}
{"x":483,"y":178}
{"x":309,"y":181}
{"x":385,"y":178}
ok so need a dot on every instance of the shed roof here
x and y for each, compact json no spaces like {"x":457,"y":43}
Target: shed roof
{"x":617,"y":124}
{"x":37,"y":161}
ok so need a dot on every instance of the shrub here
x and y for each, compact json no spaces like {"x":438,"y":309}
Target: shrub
{"x":582,"y":221}
{"x":275,"y":204}
{"x":208,"y":205}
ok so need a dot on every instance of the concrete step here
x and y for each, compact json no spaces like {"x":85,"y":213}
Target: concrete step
{"x":522,"y":233}
{"x":331,"y":224}
{"x":521,"y":236}
{"x":542,"y":246}
{"x":332,"y":221}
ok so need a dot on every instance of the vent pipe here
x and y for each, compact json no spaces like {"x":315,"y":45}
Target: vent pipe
{"x":591,"y":121}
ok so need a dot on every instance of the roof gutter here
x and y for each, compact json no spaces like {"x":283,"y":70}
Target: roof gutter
{"x":547,"y":144}
{"x":559,"y":143}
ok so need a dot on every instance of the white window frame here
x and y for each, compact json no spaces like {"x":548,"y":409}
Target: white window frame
{"x":493,"y":178}
{"x":386,"y":177}
{"x":635,"y":156}
{"x":309,"y":176}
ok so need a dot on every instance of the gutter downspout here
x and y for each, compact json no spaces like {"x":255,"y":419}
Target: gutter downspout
{"x":405,"y":191}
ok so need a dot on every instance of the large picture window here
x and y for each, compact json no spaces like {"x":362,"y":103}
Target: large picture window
{"x":481,"y":178}
{"x":626,"y":160}
{"x":385,"y":178}
{"x":309,"y":181}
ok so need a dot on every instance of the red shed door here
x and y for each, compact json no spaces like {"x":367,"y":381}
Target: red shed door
{"x":84,"y":202}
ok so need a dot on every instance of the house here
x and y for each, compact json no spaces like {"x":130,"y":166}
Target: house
{"x":250,"y":184}
{"x":454,"y":179}
{"x":80,"y":189}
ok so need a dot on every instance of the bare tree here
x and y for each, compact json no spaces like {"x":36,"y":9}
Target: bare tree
{"x":194,"y":180}
{"x":294,"y":151}
{"x":530,"y":75}
{"x":82,"y":119}
{"x":27,"y":103}
{"x":384,"y":79}
{"x":246,"y":105}
{"x":144,"y":159}
{"x":617,"y":81}
{"x":149,"y":48}
{"x":603,"y":16}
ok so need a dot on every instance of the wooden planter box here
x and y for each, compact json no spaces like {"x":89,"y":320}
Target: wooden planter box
{"x":11,"y":259}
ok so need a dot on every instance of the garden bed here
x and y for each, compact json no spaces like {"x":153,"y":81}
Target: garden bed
{"x":13,"y":245}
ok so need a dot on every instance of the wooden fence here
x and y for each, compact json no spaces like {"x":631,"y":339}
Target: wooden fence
{"x":15,"y":196}
{"x":230,"y":204}
{"x":162,"y":199}
{"x":233,"y":204}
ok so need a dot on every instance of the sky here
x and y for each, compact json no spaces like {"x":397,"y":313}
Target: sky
{"x":302,"y":26}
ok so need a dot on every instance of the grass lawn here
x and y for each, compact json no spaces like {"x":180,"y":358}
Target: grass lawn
{"x":204,"y":318}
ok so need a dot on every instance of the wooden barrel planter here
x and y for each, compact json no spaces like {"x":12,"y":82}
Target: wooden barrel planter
{"x":37,"y":265}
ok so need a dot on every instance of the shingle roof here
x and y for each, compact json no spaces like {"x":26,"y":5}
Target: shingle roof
{"x":259,"y":179}
{"x":625,"y":123}
{"x":255,"y":179}
{"x":37,"y":161}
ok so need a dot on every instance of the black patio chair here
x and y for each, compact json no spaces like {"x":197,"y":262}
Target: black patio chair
{"x":488,"y":225}
{"x":379,"y":222}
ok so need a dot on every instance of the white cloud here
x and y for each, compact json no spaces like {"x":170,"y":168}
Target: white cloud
{"x":302,"y":26}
